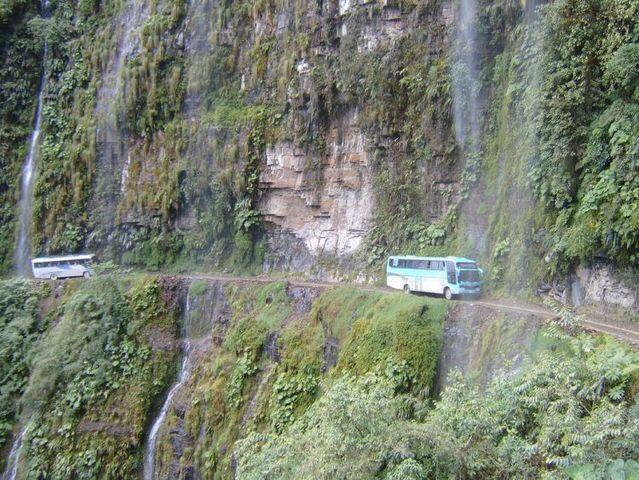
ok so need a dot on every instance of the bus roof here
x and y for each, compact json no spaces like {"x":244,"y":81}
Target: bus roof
{"x":63,"y":259}
{"x":454,"y":259}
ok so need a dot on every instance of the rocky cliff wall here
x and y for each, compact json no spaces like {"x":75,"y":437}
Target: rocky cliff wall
{"x":481,"y":343}
{"x":264,"y":352}
{"x":324,"y":136}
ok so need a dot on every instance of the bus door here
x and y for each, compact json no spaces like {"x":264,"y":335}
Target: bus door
{"x":451,"y":274}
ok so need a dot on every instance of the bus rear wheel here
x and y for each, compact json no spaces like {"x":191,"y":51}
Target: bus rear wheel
{"x":406,"y":289}
{"x":448,"y":293}
{"x":53,"y":276}
{"x":86,"y":275}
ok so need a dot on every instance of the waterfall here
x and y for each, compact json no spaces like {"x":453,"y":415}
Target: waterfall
{"x":23,"y":249}
{"x":149,"y":459}
{"x":198,"y":50}
{"x":113,"y":152}
{"x":11,"y":470}
{"x":466,"y":85}
{"x":466,"y":115}
{"x":202,"y":311}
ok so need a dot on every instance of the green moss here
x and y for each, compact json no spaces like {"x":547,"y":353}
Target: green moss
{"x":95,"y":375}
{"x":256,"y":313}
{"x":340,"y":307}
{"x":398,"y":328}
{"x":271,"y":362}
{"x":22,"y":323}
{"x":21,"y":57}
{"x":198,"y":288}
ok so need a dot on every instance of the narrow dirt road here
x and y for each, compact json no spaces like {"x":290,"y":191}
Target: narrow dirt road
{"x":626,"y":334}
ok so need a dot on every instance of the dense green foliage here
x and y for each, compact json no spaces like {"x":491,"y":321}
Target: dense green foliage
{"x":201,"y":95}
{"x":157,"y":118}
{"x":86,"y":379}
{"x":287,"y":384}
{"x":569,"y":414}
{"x":558,"y":177}
{"x":20,"y":326}
{"x":272,"y":362}
{"x":587,"y":170}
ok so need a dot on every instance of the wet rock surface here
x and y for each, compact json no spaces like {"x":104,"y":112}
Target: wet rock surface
{"x":207,"y":314}
{"x":324,"y":202}
{"x":303,"y":297}
{"x":481,"y":342}
{"x":603,"y":283}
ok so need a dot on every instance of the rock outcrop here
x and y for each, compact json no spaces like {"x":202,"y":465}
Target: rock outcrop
{"x":601,"y":283}
{"x":325,"y":204}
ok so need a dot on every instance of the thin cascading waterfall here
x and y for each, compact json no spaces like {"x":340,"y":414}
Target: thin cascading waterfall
{"x":467,"y":119}
{"x":149,"y":459}
{"x":466,"y":86}
{"x":25,"y":217}
{"x":13,"y":460}
{"x":113,"y":152}
{"x":199,"y":51}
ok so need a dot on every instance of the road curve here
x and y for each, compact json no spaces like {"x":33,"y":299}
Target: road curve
{"x":628,"y":335}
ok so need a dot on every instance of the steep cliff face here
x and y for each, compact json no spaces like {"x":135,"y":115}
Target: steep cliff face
{"x":265,"y":353}
{"x":483,"y":344}
{"x":21,"y":56}
{"x":323,"y":136}
{"x":322,"y":211}
{"x":120,"y":376}
{"x":90,"y":360}
{"x":202,"y":129}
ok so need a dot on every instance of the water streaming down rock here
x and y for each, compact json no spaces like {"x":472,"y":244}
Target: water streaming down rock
{"x":199,"y":52}
{"x":208,"y":312}
{"x":481,"y":343}
{"x":13,"y":460}
{"x":25,"y":217}
{"x":203,"y":135}
{"x":113,"y":152}
{"x":149,"y":460}
{"x":519,"y":154}
{"x":466,"y":106}
{"x":466,"y":115}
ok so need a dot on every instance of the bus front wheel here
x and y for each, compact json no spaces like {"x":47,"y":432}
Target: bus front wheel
{"x":448,"y":293}
{"x":86,"y":275}
{"x":406,"y":289}
{"x":53,"y":276}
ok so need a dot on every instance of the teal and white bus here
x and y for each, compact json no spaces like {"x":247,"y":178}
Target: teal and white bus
{"x":448,"y":276}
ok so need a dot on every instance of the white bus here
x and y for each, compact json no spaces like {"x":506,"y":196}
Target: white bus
{"x":62,"y":267}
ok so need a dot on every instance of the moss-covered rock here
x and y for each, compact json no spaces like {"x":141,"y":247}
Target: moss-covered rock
{"x":96,"y":358}
{"x":274,"y":352}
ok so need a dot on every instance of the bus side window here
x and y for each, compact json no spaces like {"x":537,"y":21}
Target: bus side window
{"x":395,"y":262}
{"x":402,"y":264}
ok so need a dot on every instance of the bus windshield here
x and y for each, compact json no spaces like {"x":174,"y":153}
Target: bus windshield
{"x":469,"y":275}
